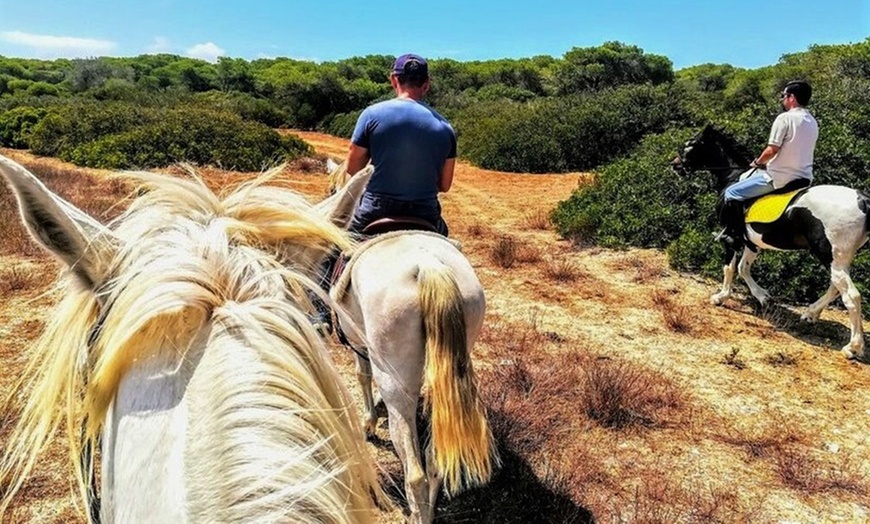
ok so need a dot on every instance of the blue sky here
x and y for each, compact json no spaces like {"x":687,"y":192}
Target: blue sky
{"x":740,"y":32}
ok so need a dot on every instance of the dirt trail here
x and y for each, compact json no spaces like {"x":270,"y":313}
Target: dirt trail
{"x":741,"y":369}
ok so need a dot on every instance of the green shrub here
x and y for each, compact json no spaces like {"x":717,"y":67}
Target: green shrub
{"x":16,"y":85}
{"x":246,"y":106}
{"x":17,"y":124}
{"x":343,"y":124}
{"x":42,"y":89}
{"x":66,"y":127}
{"x":509,"y":137}
{"x":639,"y":200}
{"x":570,"y":133}
{"x":191,"y":135}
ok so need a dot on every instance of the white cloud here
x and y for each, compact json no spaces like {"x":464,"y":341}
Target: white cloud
{"x":160,"y":45}
{"x":207,"y":51}
{"x":58,"y":46}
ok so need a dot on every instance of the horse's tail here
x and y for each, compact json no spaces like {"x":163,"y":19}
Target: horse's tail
{"x":463,"y":446}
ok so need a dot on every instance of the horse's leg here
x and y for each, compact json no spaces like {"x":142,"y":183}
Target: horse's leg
{"x":432,"y":474}
{"x":402,"y":413}
{"x":852,"y":300}
{"x":744,"y":268}
{"x":812,"y":313}
{"x":364,"y":375}
{"x":730,"y":267}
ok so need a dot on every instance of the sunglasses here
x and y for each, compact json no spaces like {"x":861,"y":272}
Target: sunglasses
{"x":783,"y":96}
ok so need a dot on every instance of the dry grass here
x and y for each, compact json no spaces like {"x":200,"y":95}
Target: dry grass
{"x":808,"y":472}
{"x":563,"y":270}
{"x":781,"y":359}
{"x":659,"y":499}
{"x":733,"y":359}
{"x":528,"y":254}
{"x":19,"y":278}
{"x":538,"y":220}
{"x":760,"y":441}
{"x":644,"y":271}
{"x":620,"y":395}
{"x":677,"y":318}
{"x":503,"y":252}
{"x":476,"y":230}
{"x":308,"y":164}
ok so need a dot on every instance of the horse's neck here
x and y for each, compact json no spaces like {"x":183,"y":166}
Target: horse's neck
{"x":726,"y":166}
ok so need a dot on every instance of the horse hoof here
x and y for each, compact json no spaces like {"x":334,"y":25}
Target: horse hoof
{"x":717,"y":300}
{"x":809,"y":318}
{"x":853,"y":354}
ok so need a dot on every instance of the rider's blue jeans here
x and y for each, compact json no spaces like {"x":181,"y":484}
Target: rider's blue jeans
{"x":373,"y":207}
{"x":755,"y":185}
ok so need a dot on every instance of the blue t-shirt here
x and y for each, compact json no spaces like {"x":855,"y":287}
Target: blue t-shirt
{"x":408,"y":142}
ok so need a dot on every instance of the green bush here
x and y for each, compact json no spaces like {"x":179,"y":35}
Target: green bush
{"x":17,"y":124}
{"x":342,"y":125}
{"x":66,"y":127}
{"x":191,"y":135}
{"x":569,"y":133}
{"x":638,"y":200}
{"x":246,"y":106}
{"x":42,"y":89}
{"x":508,"y":136}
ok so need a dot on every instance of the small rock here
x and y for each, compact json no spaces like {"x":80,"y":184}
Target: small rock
{"x":833,"y":447}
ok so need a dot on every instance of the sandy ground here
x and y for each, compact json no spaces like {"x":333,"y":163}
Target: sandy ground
{"x":609,"y":311}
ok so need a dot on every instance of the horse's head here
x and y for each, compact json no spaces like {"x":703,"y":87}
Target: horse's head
{"x":712,"y":150}
{"x":698,"y":152}
{"x":180,"y":271}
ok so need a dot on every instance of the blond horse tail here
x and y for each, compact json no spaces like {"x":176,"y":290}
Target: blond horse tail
{"x":464,"y":450}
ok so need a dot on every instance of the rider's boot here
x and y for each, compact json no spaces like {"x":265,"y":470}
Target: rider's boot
{"x":735,"y":227}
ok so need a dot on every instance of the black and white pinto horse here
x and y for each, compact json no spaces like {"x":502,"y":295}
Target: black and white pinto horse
{"x":829,"y":221}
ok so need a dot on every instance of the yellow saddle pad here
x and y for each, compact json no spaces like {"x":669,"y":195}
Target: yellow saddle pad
{"x":769,"y":207}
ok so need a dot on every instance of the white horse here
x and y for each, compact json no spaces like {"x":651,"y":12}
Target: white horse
{"x":831,"y":222}
{"x":181,"y":341}
{"x":420,"y":307}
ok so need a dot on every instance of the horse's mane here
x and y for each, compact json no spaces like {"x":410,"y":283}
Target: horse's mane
{"x":191,"y":259}
{"x":733,"y":148}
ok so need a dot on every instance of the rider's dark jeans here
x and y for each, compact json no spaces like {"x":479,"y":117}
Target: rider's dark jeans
{"x":373,"y":207}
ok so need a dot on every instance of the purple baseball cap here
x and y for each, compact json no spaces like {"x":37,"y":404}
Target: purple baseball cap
{"x":411,"y":64}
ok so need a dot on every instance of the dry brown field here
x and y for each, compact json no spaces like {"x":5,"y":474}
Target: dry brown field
{"x":617,"y":393}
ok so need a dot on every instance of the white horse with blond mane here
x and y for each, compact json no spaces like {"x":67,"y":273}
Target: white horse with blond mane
{"x":421,"y":307}
{"x":182,"y":351}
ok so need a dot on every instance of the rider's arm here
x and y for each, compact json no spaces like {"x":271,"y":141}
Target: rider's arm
{"x":765,"y":156}
{"x":778,"y":133}
{"x":357,"y":158}
{"x":446,"y":178}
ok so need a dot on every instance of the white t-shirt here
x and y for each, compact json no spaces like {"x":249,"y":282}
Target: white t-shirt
{"x":795,"y":132}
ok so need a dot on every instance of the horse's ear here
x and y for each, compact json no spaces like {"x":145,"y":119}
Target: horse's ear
{"x":82,"y":243}
{"x":339,"y":207}
{"x":331,"y":165}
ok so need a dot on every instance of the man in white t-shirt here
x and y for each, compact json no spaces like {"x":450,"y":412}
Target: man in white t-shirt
{"x":788,"y":157}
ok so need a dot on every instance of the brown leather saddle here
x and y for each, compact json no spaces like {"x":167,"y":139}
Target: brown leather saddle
{"x":398,"y":223}
{"x":379,"y":227}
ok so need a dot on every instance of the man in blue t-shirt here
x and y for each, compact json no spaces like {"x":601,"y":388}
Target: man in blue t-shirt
{"x":413,"y":150}
{"x":411,"y":146}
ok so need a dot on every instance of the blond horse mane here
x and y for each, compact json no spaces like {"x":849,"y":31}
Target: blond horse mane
{"x":194,"y":265}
